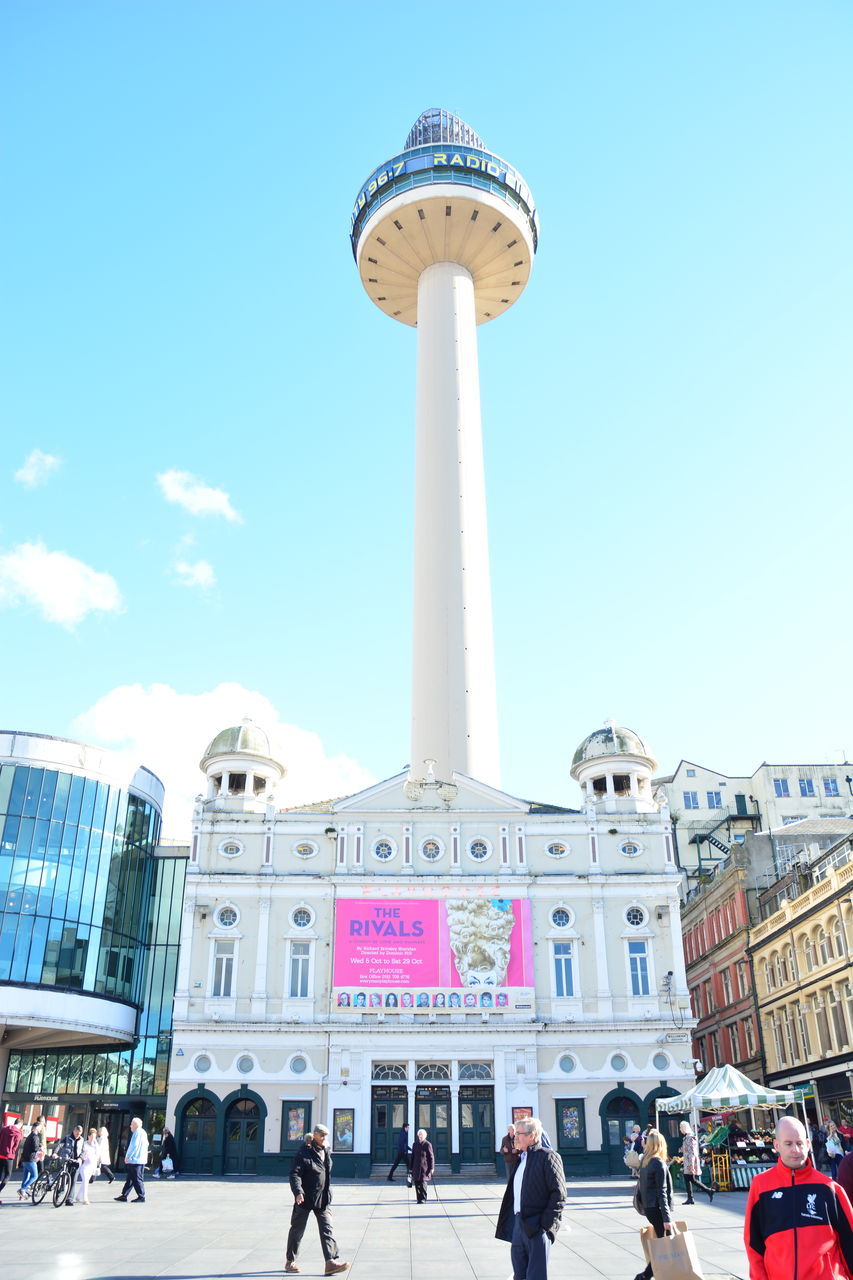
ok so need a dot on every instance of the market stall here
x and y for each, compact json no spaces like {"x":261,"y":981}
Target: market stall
{"x":735,"y":1159}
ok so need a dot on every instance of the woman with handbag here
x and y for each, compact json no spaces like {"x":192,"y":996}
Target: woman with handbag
{"x":691,"y":1164}
{"x":653,"y":1196}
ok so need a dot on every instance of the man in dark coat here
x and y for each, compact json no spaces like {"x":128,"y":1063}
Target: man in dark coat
{"x":508,"y":1150}
{"x":402,"y":1151}
{"x":310,"y":1179}
{"x":423,"y":1164}
{"x":532,"y":1205}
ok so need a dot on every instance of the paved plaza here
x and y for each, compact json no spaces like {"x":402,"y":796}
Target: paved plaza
{"x":235,"y":1229}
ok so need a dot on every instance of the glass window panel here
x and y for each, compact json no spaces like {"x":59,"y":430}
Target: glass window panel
{"x":48,"y":787}
{"x":466,"y":1115}
{"x":60,"y":797}
{"x":32,"y":793}
{"x":7,"y":774}
{"x":19,"y":790}
{"x":441,"y":1115}
{"x":75,"y":797}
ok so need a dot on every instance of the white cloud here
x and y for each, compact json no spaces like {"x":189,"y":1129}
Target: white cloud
{"x":37,"y":468}
{"x":169,"y":731}
{"x":65,"y":590}
{"x":199,"y":574}
{"x":195,"y":496}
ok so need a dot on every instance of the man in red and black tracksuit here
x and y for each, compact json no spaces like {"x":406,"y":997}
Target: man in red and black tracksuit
{"x":799,"y":1223}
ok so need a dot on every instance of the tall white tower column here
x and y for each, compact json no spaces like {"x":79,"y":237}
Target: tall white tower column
{"x":454,"y":700}
{"x":444,"y":236}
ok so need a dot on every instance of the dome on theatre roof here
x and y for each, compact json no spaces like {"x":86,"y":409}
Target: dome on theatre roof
{"x":611,"y":740}
{"x":241,"y":739}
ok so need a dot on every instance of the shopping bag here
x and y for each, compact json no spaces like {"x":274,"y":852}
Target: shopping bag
{"x":166,"y":1165}
{"x":672,"y":1257}
{"x":632,"y":1159}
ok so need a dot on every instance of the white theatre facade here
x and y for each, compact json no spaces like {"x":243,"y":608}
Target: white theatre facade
{"x":439,"y":952}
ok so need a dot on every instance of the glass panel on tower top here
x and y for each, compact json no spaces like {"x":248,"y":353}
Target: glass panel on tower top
{"x":435,"y":125}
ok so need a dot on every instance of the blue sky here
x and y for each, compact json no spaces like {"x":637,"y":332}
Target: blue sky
{"x":666,"y":411}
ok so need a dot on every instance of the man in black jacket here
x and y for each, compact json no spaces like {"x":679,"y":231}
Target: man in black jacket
{"x":310,"y":1178}
{"x":402,"y":1154}
{"x":532,"y":1206}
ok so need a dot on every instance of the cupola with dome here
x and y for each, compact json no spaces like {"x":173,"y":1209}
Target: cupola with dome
{"x":238,"y":765}
{"x":615,"y":768}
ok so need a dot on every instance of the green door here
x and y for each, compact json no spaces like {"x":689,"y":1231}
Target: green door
{"x":242,"y":1137}
{"x":198,"y":1137}
{"x":622,"y":1114}
{"x":389,"y":1113}
{"x":432,"y":1104}
{"x":476,"y":1124}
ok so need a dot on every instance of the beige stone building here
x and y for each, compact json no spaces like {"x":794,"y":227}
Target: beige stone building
{"x":440,"y":952}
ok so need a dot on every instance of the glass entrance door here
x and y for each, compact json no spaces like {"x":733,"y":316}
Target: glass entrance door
{"x":198,"y":1137}
{"x":622,"y":1115}
{"x":432,"y":1104}
{"x":476,"y":1124}
{"x":389,"y":1113}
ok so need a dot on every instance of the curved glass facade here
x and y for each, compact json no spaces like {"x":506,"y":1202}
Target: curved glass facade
{"x":76,"y":877}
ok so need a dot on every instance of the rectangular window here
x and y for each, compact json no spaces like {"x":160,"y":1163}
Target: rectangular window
{"x":223,"y":968}
{"x":715,"y":799}
{"x":571,"y":1124}
{"x":830,"y":787}
{"x":691,"y":799}
{"x":691,"y":773}
{"x":639,"y":962}
{"x":780,"y":786}
{"x":300,"y":959}
{"x":804,"y":1031}
{"x":749,"y":1037}
{"x":806,"y":786}
{"x":734,"y":1042}
{"x":564,"y":984}
{"x":727,"y":986}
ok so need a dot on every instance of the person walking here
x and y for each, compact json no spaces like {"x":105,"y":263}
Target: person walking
{"x":88,"y":1167}
{"x":104,"y":1160}
{"x":691,"y":1164}
{"x":30,"y":1151}
{"x":168,"y":1156}
{"x":532,"y":1205}
{"x":508,"y":1150}
{"x":655,"y":1191}
{"x":135,"y":1160}
{"x":310,"y":1181}
{"x":10,"y":1140}
{"x":402,"y":1151}
{"x":834,"y":1148}
{"x":798,"y":1221}
{"x":423,"y":1164}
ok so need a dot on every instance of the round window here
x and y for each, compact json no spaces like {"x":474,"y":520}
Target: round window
{"x":298,"y":1065}
{"x":478,"y":850}
{"x":618,"y":1062}
{"x":383,"y":850}
{"x":245,"y":1064}
{"x":305,"y":850}
{"x":557,"y":850}
{"x":660,"y":1062}
{"x":560,"y":918}
{"x":635,"y":916}
{"x":227,"y":917}
{"x":431,"y":850}
{"x":301,"y":918}
{"x":630,"y":848}
{"x":231,"y":848}
{"x":202,"y":1063}
{"x":567,"y":1064}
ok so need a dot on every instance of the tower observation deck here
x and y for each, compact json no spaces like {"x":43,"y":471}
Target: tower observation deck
{"x":444,"y":235}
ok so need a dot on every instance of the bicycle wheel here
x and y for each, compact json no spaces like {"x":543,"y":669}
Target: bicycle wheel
{"x":61,"y":1188}
{"x":40,"y":1187}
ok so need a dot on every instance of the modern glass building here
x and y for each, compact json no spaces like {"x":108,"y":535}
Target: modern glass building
{"x":90,"y":906}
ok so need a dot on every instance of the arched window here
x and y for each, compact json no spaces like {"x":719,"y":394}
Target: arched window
{"x":389,"y":1071}
{"x":475,"y":1071}
{"x":432,"y":1071}
{"x":810,"y":953}
{"x":838,"y":937}
{"x":824,"y":943}
{"x":201,"y":1108}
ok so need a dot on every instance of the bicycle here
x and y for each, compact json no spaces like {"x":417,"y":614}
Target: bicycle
{"x":57,"y":1177}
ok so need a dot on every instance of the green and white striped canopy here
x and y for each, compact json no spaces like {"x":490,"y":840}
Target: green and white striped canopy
{"x":727,"y":1089}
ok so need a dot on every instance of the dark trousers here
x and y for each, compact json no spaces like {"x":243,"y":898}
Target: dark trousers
{"x":299,"y":1221}
{"x":134,"y":1180}
{"x":421,"y":1190}
{"x":402,"y":1157}
{"x":655,"y":1217}
{"x":691,"y":1181}
{"x":108,"y":1170}
{"x":5,"y":1171}
{"x":529,"y":1254}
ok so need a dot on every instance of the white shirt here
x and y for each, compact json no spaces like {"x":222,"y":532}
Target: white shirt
{"x":516,"y":1183}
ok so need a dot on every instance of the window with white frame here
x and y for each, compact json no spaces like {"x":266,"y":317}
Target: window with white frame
{"x":780,"y":786}
{"x":223,"y":968}
{"x":810,"y":954}
{"x":806,"y":786}
{"x":838,"y":938}
{"x":226,"y":917}
{"x":383,"y":850}
{"x":431,"y":850}
{"x":691,"y":799}
{"x":804,"y":1030}
{"x":749,"y":1037}
{"x":479,"y":850}
{"x":564,"y":983}
{"x":557,"y":850}
{"x":715,"y":799}
{"x":302,"y":918}
{"x":638,"y":961}
{"x":726,"y":979}
{"x":300,"y":965}
{"x":830,"y":787}
{"x":824,"y":943}
{"x":561,"y":918}
{"x":306,"y":849}
{"x":742,"y":985}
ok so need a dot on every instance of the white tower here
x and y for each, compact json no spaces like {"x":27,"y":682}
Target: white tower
{"x":444,"y":236}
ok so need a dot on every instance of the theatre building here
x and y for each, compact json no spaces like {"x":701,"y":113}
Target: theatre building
{"x":432,"y":951}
